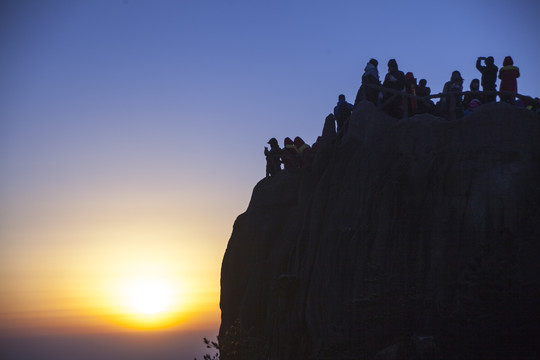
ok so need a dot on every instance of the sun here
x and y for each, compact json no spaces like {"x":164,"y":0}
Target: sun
{"x":149,"y":296}
{"x":148,"y":302}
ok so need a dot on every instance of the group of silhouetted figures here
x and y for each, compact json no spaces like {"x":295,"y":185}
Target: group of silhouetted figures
{"x":399,"y":95}
{"x":454,"y":102}
{"x":294,"y":156}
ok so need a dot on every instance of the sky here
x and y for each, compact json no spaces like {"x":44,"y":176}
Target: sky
{"x":132,"y":134}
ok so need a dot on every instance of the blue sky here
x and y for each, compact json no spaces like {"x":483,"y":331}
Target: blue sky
{"x":119,"y":112}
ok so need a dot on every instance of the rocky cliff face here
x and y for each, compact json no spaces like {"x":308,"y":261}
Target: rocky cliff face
{"x":416,"y":238}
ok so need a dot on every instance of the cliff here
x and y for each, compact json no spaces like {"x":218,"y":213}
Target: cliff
{"x":415,"y":238}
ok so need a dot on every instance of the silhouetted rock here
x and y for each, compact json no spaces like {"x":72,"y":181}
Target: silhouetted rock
{"x":407,"y":239}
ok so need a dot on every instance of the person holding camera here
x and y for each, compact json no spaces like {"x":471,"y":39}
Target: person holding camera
{"x":273,"y":158}
{"x":489,"y":76}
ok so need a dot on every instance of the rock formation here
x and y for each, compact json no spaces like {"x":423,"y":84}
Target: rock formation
{"x":404,"y":239}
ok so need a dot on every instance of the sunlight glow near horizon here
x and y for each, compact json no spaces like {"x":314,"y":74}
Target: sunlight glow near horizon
{"x":76,"y":253}
{"x":137,"y":284}
{"x":150,"y":302}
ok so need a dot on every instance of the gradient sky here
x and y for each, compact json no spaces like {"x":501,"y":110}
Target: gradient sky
{"x":132,"y":131}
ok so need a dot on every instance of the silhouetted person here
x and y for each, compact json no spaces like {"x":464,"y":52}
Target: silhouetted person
{"x":395,"y":80}
{"x":489,"y":76}
{"x":342,"y":112}
{"x":468,"y":97}
{"x":289,"y":155}
{"x":508,"y":75}
{"x":534,"y":105}
{"x":452,"y":104}
{"x":371,"y":77}
{"x":410,"y":87}
{"x":531,"y":104}
{"x":273,"y":158}
{"x":303,"y":151}
{"x":423,"y":90}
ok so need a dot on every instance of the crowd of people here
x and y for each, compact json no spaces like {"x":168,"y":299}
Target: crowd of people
{"x":388,"y":95}
{"x":455,"y":104}
{"x":294,"y":155}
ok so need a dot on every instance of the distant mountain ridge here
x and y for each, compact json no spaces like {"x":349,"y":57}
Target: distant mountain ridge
{"x":405,"y":239}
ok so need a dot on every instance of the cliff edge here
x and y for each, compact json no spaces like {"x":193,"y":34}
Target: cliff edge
{"x":415,"y":238}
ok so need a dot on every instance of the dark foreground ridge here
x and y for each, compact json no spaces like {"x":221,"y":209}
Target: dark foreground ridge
{"x":405,"y":239}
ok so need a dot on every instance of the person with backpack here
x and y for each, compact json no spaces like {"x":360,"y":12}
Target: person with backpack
{"x":342,"y":112}
{"x":508,"y":75}
{"x":489,"y":76}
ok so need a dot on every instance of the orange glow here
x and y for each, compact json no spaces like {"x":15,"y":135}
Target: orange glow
{"x":148,"y":302}
{"x":121,"y":280}
{"x":114,"y":264}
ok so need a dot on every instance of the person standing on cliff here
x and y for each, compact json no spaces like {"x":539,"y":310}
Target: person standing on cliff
{"x":489,"y":76}
{"x":370,"y":77}
{"x":394,"y":79}
{"x":508,"y":75}
{"x":422,"y":90}
{"x":289,"y":155}
{"x":410,"y":83}
{"x":452,"y":104}
{"x":303,"y":151}
{"x":342,"y":112}
{"x":273,"y":158}
{"x":473,"y":95}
